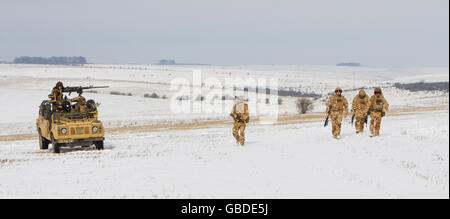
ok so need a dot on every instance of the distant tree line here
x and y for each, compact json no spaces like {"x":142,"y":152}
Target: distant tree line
{"x":424,"y":86}
{"x":54,"y":60}
{"x":167,"y":62}
{"x":351,"y":64}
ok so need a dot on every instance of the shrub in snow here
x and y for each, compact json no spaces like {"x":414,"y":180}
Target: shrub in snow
{"x":304,"y":105}
{"x":183,"y":98}
{"x":153,"y":95}
{"x":115,"y":93}
{"x":200,"y":98}
{"x":280,"y":101}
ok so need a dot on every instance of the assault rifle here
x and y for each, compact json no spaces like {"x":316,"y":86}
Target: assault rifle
{"x":326,"y":120}
{"x":238,"y":118}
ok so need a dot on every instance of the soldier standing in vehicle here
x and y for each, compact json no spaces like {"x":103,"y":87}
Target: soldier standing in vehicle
{"x":57,"y":92}
{"x":378,"y":107}
{"x":336,"y":106}
{"x":241,"y":118}
{"x":360,"y":108}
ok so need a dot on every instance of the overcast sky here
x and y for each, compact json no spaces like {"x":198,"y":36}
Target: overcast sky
{"x":391,"y":33}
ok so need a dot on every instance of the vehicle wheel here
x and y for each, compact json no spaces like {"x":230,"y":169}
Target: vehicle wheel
{"x":55,"y":148}
{"x":43,"y":143}
{"x":99,"y":145}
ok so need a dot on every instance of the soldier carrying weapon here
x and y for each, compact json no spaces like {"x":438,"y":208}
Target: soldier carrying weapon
{"x":241,"y":117}
{"x":337,"y":108}
{"x":360,"y":109}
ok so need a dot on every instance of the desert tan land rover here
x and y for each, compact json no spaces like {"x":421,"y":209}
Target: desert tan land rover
{"x":60,"y":124}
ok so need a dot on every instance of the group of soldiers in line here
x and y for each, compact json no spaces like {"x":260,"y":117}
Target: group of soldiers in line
{"x":337,"y":108}
{"x":362,"y":106}
{"x":56,"y":96}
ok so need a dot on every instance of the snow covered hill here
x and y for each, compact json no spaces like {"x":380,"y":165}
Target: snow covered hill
{"x":289,"y":159}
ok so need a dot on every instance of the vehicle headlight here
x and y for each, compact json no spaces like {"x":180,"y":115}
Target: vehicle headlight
{"x":95,"y":129}
{"x":64,"y":131}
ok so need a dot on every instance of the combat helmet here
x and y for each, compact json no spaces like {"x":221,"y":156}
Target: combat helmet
{"x":240,"y":98}
{"x":362,"y":93}
{"x":59,"y":84}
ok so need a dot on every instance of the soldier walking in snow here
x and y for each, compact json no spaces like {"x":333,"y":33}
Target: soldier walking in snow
{"x":360,"y":108}
{"x":378,"y":107}
{"x":336,"y":106}
{"x":241,"y":118}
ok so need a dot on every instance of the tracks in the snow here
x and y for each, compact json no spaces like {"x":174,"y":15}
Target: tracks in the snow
{"x":282,"y":120}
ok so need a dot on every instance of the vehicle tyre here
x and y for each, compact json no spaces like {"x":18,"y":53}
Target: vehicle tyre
{"x":99,"y":145}
{"x":56,"y":147}
{"x":43,"y":143}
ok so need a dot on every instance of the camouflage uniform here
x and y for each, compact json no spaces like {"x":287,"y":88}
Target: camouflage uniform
{"x":360,"y":108}
{"x":241,"y":118}
{"x":378,"y":106}
{"x":336,"y":106}
{"x":81,"y":104}
{"x":57,"y":93}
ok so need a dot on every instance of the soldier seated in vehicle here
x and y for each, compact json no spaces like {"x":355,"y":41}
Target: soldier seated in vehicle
{"x":81,"y":106}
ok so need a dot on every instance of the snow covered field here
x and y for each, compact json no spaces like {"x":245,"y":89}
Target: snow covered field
{"x":296,"y":160}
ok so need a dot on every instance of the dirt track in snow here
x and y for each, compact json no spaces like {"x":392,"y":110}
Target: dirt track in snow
{"x":282,"y":120}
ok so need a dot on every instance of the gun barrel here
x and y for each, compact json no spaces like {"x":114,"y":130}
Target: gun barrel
{"x":80,"y":88}
{"x":90,"y":87}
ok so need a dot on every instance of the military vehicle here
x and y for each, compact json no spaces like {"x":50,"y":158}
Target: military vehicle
{"x":61,"y":125}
